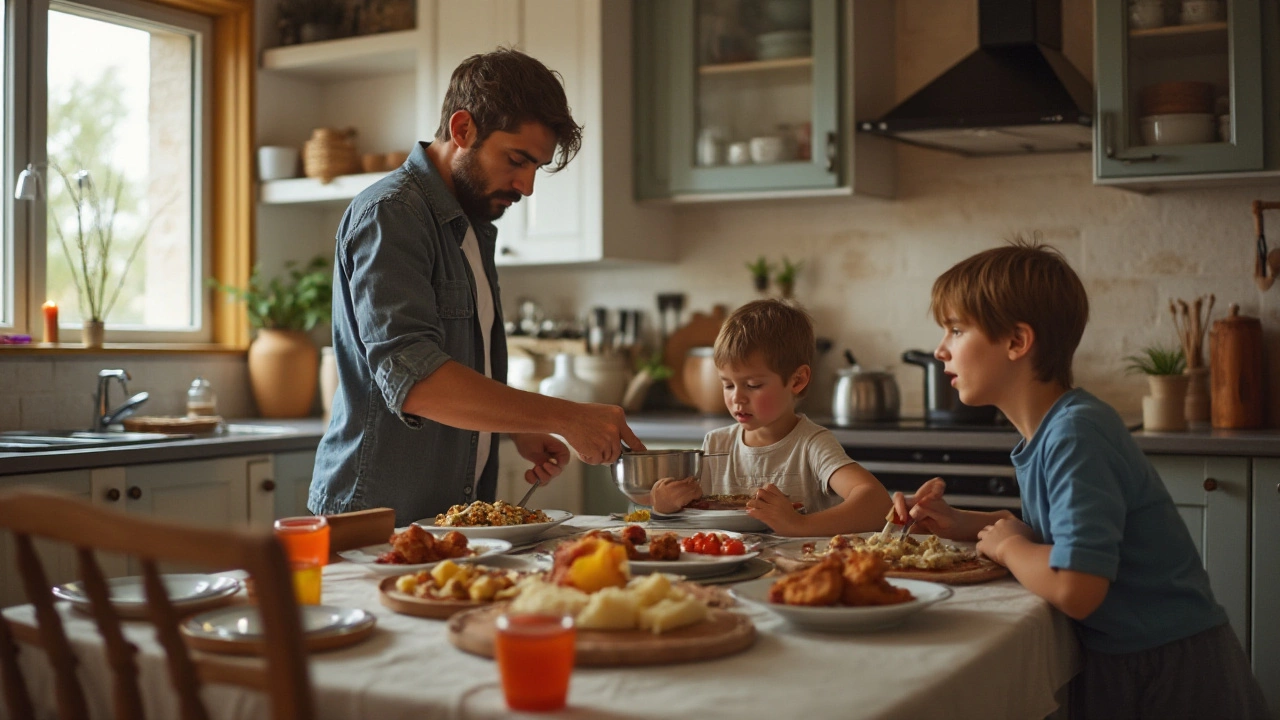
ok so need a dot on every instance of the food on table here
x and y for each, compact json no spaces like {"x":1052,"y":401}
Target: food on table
{"x":483,"y":514}
{"x":641,"y":515}
{"x":450,"y":581}
{"x":591,"y":563}
{"x":664,"y":547}
{"x":843,"y":577}
{"x":415,"y":546}
{"x":648,"y":603}
{"x":713,"y":544}
{"x":720,"y":502}
{"x":634,"y":534}
{"x":902,"y":553}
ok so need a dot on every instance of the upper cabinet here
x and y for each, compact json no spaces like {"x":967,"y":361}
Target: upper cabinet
{"x":1185,"y":90}
{"x":743,"y":99}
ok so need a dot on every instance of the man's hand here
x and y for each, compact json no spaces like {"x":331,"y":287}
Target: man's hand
{"x":774,"y":509}
{"x":993,"y":539}
{"x":670,"y":495}
{"x":596,"y":432}
{"x":548,"y":455}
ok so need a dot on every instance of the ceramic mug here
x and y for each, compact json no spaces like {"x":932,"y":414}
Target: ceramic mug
{"x":1195,"y":12}
{"x":711,"y":147}
{"x":276,"y":162}
{"x":768,"y":149}
{"x":739,"y":153}
{"x":1146,"y":14}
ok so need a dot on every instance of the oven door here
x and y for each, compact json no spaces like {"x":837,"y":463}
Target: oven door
{"x":969,"y":486}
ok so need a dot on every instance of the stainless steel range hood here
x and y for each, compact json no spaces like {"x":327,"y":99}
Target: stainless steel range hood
{"x":1015,"y":94}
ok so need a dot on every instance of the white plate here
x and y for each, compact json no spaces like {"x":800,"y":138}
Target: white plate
{"x":841,"y":618}
{"x":515,"y":534}
{"x":736,"y":520}
{"x":129,"y":593}
{"x":691,"y":565}
{"x":367,"y":556}
{"x":243,"y":622}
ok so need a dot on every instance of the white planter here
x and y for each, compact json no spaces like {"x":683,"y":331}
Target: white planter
{"x":564,"y":383}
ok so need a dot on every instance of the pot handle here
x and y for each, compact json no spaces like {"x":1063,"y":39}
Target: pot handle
{"x":919,"y":357}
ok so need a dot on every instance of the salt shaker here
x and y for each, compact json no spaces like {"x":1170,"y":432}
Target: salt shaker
{"x":200,"y":399}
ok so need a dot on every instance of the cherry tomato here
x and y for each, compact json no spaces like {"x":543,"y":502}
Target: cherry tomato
{"x":735,"y":547}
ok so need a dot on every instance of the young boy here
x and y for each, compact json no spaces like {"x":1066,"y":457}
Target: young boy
{"x":1102,"y":541}
{"x":763,"y":353}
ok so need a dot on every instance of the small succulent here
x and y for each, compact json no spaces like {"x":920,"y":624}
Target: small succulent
{"x":786,"y":276}
{"x":1157,"y":360}
{"x":760,"y":269}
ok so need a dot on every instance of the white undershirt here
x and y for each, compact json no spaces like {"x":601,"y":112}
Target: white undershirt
{"x":484,"y":311}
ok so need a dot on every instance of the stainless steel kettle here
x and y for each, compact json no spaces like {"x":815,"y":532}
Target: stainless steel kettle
{"x":942,"y":404}
{"x":864,"y":396}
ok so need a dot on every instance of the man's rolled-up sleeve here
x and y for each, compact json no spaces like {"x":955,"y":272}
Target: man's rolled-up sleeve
{"x":388,"y":254}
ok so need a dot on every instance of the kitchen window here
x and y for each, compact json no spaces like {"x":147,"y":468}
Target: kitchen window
{"x":117,"y":106}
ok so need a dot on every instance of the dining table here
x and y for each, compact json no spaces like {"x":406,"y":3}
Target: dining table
{"x":992,"y":650}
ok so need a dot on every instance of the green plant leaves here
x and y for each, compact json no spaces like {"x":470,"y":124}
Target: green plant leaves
{"x":1157,"y":360}
{"x":299,"y":301}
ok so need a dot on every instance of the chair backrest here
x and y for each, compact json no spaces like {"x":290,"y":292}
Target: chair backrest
{"x":349,"y":531}
{"x":30,"y":514}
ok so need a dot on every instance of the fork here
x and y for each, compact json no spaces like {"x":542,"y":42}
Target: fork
{"x":906,"y":529}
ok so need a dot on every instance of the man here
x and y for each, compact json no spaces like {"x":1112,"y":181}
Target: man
{"x":417,"y":321}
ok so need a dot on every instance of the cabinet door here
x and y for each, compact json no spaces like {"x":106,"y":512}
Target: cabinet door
{"x":1164,"y":81}
{"x":562,"y":493}
{"x":754,"y":93}
{"x":1212,"y":496}
{"x":1266,"y":579}
{"x":211,"y":493}
{"x":58,"y":559}
{"x":293,"y":482}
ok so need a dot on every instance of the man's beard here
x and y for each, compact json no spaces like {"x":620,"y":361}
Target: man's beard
{"x":469,"y":184}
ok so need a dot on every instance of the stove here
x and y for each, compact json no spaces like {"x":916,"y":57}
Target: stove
{"x":1001,"y":425}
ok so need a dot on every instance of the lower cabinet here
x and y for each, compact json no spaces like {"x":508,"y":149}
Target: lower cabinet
{"x":59,"y":560}
{"x":291,"y":480}
{"x":1265,"y":647}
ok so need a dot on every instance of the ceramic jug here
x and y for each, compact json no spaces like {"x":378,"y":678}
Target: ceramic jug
{"x":563,"y":383}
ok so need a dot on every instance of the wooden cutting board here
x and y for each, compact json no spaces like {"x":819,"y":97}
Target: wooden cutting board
{"x":701,"y":330}
{"x":172,"y":425}
{"x":722,"y":633}
{"x":406,"y":604}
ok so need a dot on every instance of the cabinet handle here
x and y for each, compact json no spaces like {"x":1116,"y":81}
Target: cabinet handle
{"x":112,"y":495}
{"x":1108,"y":136}
{"x":1210,"y":484}
{"x":134,"y":492}
{"x":832,"y":148}
{"x":268,"y":485}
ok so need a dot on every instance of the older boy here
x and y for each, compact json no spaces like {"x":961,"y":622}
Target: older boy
{"x":1103,"y":541}
{"x":763,"y":353}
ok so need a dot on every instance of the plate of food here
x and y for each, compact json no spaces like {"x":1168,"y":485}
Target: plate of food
{"x":128,"y":595}
{"x":500,"y":520}
{"x":238,"y":629}
{"x":414,"y":549}
{"x":914,"y":557}
{"x":844,"y":592}
{"x":691,"y":554}
{"x":716,"y":512}
{"x":448,"y":588}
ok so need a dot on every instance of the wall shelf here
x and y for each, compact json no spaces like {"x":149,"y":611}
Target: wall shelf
{"x":346,"y":58}
{"x":296,"y":191}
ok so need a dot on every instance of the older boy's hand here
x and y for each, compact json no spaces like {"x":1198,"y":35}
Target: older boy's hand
{"x":774,"y":509}
{"x":993,"y":539}
{"x":670,"y":495}
{"x":927,"y":508}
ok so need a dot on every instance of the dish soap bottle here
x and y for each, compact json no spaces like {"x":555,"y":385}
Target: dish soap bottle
{"x":201,"y":402}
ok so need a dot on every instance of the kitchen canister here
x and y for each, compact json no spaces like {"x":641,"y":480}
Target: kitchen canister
{"x":608,"y":376}
{"x":564,"y":383}
{"x":1236,"y":373}
{"x":277,"y":162}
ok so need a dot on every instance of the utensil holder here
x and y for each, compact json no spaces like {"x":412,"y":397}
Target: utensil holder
{"x":1164,"y":410}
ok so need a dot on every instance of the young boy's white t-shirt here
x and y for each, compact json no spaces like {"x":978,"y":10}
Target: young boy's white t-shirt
{"x":800,"y":464}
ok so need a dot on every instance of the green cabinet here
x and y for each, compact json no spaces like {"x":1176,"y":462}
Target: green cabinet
{"x":744,"y":99}
{"x":1265,"y":645}
{"x":1181,"y":93}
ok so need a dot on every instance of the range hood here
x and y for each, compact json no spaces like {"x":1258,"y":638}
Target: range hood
{"x":1015,"y":94}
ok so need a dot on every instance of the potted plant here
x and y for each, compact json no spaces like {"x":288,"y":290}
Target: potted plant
{"x":1163,"y":409}
{"x":283,"y":362}
{"x":786,"y":277}
{"x":760,"y":269}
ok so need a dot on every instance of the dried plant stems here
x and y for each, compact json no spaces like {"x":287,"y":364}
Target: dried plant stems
{"x":1190,"y":324}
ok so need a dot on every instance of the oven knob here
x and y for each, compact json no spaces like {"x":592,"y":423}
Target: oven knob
{"x":946,"y":457}
{"x":1000,"y":486}
{"x":917,"y":456}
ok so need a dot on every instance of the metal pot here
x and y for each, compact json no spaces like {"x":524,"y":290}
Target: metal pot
{"x":864,"y":396}
{"x":942,"y":404}
{"x":635,"y":472}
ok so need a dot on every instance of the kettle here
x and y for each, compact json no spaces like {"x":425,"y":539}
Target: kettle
{"x":864,"y":396}
{"x":942,"y":404}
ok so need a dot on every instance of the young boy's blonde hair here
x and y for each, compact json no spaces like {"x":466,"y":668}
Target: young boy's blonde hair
{"x":781,"y":333}
{"x":1025,"y":282}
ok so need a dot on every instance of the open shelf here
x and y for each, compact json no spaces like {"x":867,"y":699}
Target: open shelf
{"x":756,"y":66}
{"x":346,"y":58}
{"x":297,"y":191}
{"x":1179,"y":40}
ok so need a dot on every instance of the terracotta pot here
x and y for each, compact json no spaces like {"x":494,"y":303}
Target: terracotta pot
{"x":91,"y":333}
{"x":702,"y":381}
{"x":1165,"y":408}
{"x":283,"y":372}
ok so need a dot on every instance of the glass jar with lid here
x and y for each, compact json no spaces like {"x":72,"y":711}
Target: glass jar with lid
{"x":201,"y":401}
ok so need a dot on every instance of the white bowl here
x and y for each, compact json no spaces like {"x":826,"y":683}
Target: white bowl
{"x":276,"y":162}
{"x":1179,"y":129}
{"x":768,"y":149}
{"x":1195,"y":12}
{"x":1146,"y":14}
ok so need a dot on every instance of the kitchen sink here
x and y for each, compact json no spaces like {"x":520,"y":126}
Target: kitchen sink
{"x":46,"y":440}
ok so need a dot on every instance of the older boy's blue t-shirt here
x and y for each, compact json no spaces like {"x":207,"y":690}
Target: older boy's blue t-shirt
{"x":1090,"y":492}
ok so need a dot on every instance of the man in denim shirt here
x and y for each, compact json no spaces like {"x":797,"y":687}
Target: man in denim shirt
{"x":417,"y":319}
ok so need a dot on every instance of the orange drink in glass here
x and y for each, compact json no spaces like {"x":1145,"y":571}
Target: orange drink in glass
{"x":305,"y":539}
{"x":535,"y":658}
{"x":306,"y":582}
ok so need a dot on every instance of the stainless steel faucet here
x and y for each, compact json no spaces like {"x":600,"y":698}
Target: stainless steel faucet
{"x":103,"y":415}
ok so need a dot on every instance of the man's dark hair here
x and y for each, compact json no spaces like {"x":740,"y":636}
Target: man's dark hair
{"x":505,"y":89}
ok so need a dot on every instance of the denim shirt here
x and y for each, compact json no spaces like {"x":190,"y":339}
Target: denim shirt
{"x":403,"y":305}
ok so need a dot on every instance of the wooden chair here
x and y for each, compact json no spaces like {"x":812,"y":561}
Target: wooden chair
{"x":349,"y":531}
{"x":30,"y":514}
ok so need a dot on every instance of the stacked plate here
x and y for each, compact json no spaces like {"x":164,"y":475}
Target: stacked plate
{"x":188,"y":593}
{"x":239,"y":629}
{"x":1178,"y":113}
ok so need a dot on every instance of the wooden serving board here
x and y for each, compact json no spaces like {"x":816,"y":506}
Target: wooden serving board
{"x":421,"y":607}
{"x":701,"y":330}
{"x":722,"y":633}
{"x":985,"y":571}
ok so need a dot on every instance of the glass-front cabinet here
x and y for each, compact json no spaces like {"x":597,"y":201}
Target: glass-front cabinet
{"x":1180,"y":88}
{"x":738,"y":95}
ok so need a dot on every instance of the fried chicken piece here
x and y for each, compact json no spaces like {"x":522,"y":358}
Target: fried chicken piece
{"x":634,"y":534}
{"x":415,"y":545}
{"x":818,"y":585}
{"x":864,"y":582}
{"x":664,"y":547}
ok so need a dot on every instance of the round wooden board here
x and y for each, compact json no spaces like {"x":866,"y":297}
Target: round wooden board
{"x":722,"y":633}
{"x":701,"y":330}
{"x":311,"y":643}
{"x":421,"y":607}
{"x":172,"y":425}
{"x":985,"y":572}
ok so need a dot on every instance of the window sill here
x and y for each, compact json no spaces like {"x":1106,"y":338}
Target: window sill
{"x":36,"y":349}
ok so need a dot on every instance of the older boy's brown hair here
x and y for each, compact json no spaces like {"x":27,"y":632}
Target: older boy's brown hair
{"x":1026,"y":282}
{"x":505,"y":89}
{"x":781,"y":333}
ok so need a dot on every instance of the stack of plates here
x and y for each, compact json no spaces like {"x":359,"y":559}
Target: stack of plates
{"x":187,"y":593}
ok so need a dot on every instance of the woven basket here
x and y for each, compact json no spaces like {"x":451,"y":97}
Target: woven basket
{"x":330,"y":153}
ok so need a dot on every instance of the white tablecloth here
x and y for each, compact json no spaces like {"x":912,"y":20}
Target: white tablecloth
{"x":990,"y":651}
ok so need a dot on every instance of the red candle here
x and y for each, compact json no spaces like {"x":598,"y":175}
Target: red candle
{"x":50,"y":321}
